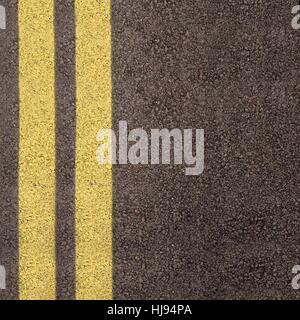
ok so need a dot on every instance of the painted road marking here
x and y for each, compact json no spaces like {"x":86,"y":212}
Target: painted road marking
{"x":93,"y":183}
{"x":37,"y":150}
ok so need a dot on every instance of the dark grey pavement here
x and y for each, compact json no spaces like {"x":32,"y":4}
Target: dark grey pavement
{"x":231,"y":68}
{"x":65,"y":91}
{"x":9,"y":137}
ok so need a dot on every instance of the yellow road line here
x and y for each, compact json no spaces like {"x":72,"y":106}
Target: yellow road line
{"x":37,"y":150}
{"x":93,"y":182}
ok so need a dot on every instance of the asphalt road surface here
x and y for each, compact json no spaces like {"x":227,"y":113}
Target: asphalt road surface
{"x":72,"y":229}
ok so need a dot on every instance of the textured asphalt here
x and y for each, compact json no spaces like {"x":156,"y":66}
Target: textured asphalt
{"x":65,"y":147}
{"x":231,"y":69}
{"x":9,"y":140}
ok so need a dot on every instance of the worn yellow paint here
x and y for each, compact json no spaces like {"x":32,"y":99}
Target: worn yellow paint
{"x":93,"y":182}
{"x":37,"y":150}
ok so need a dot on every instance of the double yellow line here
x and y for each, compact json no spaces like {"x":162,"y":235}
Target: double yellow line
{"x":37,"y":150}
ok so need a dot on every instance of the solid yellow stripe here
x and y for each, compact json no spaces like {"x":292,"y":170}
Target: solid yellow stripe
{"x":93,"y":182}
{"x":37,"y":150}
